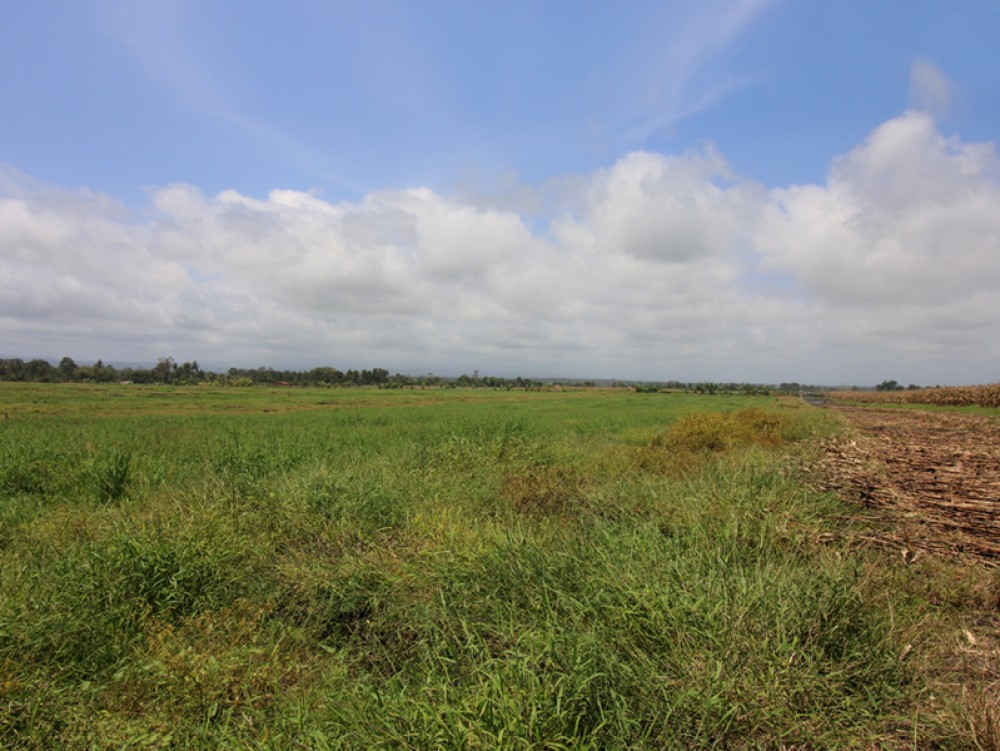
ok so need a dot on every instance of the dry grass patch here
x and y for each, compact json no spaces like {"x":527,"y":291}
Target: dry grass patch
{"x":544,"y":491}
{"x":693,"y":438}
{"x":983,"y":717}
{"x":721,"y":431}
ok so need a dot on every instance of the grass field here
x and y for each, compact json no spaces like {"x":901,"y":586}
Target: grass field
{"x":203,"y":568}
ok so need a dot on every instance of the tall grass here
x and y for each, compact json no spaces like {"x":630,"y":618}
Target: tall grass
{"x":574,"y":570}
{"x":111,"y":474}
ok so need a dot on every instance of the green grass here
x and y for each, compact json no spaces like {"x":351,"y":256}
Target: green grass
{"x":291,"y":568}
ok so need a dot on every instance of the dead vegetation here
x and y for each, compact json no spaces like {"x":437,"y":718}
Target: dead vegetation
{"x":544,"y":491}
{"x":937,"y":474}
{"x":946,"y":396}
{"x":930,"y":482}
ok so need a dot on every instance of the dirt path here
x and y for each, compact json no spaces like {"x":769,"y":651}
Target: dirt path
{"x":937,"y":474}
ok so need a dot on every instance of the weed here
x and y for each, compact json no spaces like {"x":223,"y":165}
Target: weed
{"x":475,"y":444}
{"x":111,"y":474}
{"x":24,"y":475}
{"x":164,"y":577}
{"x":719,"y":431}
{"x":367,"y":498}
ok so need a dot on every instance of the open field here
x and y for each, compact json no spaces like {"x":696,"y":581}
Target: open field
{"x":353,"y":569}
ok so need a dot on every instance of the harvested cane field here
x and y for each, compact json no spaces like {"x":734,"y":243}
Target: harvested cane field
{"x":927,"y":485}
{"x":936,"y":473}
{"x":946,"y":396}
{"x":212,"y":568}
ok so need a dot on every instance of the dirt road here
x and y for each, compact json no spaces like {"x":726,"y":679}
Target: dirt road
{"x":937,"y":474}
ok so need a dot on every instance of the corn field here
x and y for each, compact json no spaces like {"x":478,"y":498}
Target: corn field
{"x":952,"y":396}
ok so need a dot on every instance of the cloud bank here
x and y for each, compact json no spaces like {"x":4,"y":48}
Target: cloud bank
{"x":655,"y":267}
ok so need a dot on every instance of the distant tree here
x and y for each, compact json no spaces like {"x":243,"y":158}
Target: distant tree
{"x":163,"y":372}
{"x":67,"y":369}
{"x":889,"y":386}
{"x":188,"y":372}
{"x":12,"y":369}
{"x":103,"y":373}
{"x":40,"y":371}
{"x":325,"y":376}
{"x":647,"y":388}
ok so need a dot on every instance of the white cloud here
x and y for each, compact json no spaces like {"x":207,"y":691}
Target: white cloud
{"x":930,"y":89}
{"x":670,"y":209}
{"x":908,"y":217}
{"x":899,"y":251}
{"x":657,"y":267}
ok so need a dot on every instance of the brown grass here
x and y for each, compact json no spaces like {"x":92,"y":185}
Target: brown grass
{"x":983,"y":717}
{"x":544,"y":491}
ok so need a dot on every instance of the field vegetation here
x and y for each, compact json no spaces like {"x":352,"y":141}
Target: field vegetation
{"x":987,"y":396}
{"x":197,"y":567}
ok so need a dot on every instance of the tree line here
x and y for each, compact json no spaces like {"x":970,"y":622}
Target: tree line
{"x":68,"y":371}
{"x":167,"y":371}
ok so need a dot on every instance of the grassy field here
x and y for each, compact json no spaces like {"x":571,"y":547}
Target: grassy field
{"x":204,"y":568}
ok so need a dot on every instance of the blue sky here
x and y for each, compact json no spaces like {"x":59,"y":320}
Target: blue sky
{"x":744,"y":190}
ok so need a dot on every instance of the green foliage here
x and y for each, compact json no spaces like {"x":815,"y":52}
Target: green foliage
{"x":79,"y":611}
{"x":367,"y":499}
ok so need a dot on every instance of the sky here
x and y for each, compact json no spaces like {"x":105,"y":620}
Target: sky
{"x":728,"y":190}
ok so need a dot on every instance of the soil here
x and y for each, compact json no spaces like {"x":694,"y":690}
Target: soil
{"x":936,"y":475}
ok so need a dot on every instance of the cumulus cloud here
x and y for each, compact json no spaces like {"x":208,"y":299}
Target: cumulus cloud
{"x":908,"y":217}
{"x":76,"y":259}
{"x":657,"y":266}
{"x":899,"y":250}
{"x":668,"y":209}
